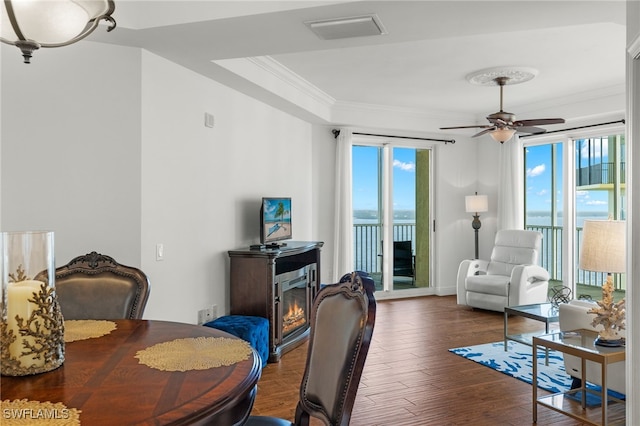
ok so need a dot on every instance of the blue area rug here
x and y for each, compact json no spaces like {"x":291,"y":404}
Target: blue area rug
{"x":516,"y":362}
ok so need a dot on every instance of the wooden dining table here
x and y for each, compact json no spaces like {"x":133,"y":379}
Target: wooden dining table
{"x":103,"y":379}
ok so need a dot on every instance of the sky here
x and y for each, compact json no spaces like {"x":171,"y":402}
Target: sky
{"x":365,"y":178}
{"x":537,"y":181}
{"x":538,"y":177}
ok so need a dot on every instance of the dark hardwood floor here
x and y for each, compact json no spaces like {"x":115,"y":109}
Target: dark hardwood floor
{"x":410,"y":377}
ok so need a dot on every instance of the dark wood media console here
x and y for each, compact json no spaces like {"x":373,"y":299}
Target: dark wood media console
{"x":260,"y":279}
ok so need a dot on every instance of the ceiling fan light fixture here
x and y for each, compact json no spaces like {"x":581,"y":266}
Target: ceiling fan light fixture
{"x":503,"y":125}
{"x":29,"y":25}
{"x":502,"y":135}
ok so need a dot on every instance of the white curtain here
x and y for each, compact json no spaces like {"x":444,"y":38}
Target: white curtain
{"x":511,"y":191}
{"x":343,"y":218}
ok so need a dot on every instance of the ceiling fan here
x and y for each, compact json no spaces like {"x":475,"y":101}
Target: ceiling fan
{"x":504,"y":124}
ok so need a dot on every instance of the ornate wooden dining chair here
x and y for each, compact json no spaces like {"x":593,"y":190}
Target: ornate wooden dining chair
{"x":342,"y":320}
{"x":95,"y":286}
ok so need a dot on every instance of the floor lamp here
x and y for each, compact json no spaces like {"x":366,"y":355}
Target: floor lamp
{"x":476,"y":204}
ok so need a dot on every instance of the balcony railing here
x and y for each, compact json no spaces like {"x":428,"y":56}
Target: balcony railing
{"x":367,"y":240}
{"x":601,"y":173}
{"x":551,"y":258}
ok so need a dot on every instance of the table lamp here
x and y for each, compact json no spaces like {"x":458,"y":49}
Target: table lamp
{"x":476,"y":204}
{"x":604,"y":250}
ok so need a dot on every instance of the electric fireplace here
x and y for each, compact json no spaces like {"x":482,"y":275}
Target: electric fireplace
{"x":279,"y":285}
{"x":294,"y":302}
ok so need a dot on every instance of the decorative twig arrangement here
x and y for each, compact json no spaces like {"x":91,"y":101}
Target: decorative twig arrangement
{"x":45,"y":326}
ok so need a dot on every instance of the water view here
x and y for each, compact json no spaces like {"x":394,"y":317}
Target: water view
{"x":543,"y":218}
{"x":534,"y":217}
{"x":371,"y":216}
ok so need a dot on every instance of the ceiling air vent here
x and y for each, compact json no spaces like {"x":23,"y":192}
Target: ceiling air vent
{"x":355,"y":26}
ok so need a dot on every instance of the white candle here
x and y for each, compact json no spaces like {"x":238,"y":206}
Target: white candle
{"x":18,"y":295}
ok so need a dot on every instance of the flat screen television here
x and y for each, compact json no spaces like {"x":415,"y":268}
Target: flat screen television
{"x":275,"y":220}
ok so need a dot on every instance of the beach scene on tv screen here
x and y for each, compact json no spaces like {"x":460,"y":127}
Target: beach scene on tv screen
{"x":277,"y":218}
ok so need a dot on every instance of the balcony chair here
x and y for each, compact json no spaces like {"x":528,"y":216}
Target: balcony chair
{"x":342,"y":320}
{"x":573,"y":316}
{"x":512,"y":277}
{"x":403,"y":260}
{"x":95,"y":286}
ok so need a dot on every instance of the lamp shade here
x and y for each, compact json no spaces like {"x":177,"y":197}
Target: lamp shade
{"x":502,"y":135}
{"x":32,"y":24}
{"x":603,"y":246}
{"x":476,"y":203}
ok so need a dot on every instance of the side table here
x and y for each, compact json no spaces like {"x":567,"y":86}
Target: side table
{"x":580,"y":343}
{"x":543,"y":312}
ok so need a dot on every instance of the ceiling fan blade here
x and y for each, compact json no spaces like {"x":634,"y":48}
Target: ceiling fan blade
{"x":466,"y":127}
{"x":484,"y":132}
{"x":530,"y":129}
{"x":539,"y":121}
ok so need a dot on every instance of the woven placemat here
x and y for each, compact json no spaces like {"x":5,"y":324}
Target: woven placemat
{"x":86,"y":329}
{"x":197,"y":353}
{"x":22,"y":412}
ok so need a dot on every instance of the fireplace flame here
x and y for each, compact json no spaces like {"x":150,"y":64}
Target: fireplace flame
{"x":294,"y":318}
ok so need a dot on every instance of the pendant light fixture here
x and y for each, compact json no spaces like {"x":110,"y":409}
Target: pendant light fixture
{"x":32,"y":24}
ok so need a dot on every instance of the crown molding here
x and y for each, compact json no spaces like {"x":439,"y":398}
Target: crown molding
{"x":292,"y":79}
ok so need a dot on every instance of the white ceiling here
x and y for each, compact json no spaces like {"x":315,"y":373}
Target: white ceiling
{"x":578,"y":48}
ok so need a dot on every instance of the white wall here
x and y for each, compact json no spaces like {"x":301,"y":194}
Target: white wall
{"x":71,"y":148}
{"x":322,"y":157}
{"x":202,"y":187}
{"x":487,"y":157}
{"x":457,"y":168}
{"x":106,"y":146}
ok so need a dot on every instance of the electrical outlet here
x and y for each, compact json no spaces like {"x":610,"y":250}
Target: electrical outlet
{"x":204,"y":316}
{"x":207,"y":314}
{"x":214,"y":311}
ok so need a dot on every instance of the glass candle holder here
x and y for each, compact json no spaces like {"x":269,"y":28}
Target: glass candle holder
{"x":31,"y":327}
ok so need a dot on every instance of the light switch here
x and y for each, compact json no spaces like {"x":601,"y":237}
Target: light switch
{"x":209,"y":120}
{"x":159,"y":251}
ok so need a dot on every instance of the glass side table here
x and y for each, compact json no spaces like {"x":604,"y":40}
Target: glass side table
{"x":580,"y":343}
{"x":543,"y":312}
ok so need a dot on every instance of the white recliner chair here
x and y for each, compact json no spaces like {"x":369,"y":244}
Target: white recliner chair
{"x":512,"y":277}
{"x":573,"y":316}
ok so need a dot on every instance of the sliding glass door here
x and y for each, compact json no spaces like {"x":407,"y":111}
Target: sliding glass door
{"x":557,"y":203}
{"x":391,"y":215}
